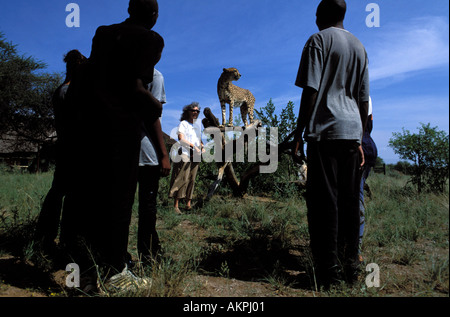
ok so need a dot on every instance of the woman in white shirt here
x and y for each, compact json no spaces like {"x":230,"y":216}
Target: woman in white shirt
{"x":185,"y":170}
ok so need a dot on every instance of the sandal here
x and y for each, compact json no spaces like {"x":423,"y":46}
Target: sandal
{"x":178,"y":211}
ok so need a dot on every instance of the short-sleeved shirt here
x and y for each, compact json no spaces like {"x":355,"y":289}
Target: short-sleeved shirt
{"x":192,"y":134}
{"x":334,"y":63}
{"x":148,"y":155}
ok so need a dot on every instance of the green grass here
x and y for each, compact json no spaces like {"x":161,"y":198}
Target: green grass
{"x":257,"y":239}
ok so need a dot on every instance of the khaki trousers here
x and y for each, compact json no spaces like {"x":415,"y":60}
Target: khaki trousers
{"x":183,"y":179}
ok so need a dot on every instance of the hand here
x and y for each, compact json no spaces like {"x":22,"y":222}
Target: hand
{"x":361,"y":152}
{"x":165,"y":166}
{"x":299,"y":158}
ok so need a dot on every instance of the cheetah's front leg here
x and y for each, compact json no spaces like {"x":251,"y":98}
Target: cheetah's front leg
{"x":244,"y":112}
{"x":223,"y":105}
{"x":230,"y":122}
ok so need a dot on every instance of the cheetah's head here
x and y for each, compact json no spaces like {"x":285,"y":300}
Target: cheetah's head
{"x":231,"y":73}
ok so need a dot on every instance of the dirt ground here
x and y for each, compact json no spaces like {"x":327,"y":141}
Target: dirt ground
{"x":21,"y":278}
{"x":206,"y":286}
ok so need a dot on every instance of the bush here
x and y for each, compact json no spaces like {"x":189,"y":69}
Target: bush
{"x":429,"y":151}
{"x":403,"y":167}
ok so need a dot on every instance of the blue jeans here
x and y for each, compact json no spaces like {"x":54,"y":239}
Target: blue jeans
{"x":362,"y":209}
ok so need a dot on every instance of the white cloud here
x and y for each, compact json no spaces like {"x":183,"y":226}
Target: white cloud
{"x":409,"y":112}
{"x":394,"y":114}
{"x":413,"y":46}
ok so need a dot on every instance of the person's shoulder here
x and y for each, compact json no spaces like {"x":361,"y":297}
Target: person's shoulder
{"x":62,"y":89}
{"x":356,"y":42}
{"x":315,"y":40}
{"x":107,"y":28}
{"x":343,"y":32}
{"x":184,"y":123}
{"x":154,"y":33}
{"x":183,"y":127}
{"x":157,"y":73}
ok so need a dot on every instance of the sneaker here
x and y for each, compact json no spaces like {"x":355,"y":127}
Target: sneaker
{"x":126,"y":281}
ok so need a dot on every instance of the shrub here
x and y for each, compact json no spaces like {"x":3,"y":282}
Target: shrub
{"x":429,"y":151}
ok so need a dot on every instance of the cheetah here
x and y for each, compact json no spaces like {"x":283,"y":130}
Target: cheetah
{"x":234,"y":96}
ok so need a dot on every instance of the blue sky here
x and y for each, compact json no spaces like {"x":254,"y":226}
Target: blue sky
{"x":408,"y":52}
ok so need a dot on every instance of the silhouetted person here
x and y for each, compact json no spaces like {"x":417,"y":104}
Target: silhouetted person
{"x":334,"y":76}
{"x":110,"y":100}
{"x":49,"y":217}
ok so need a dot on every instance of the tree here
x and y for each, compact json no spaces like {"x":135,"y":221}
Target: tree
{"x":403,"y":167}
{"x":244,"y":175}
{"x":285,"y":124}
{"x":429,"y":152}
{"x":25,"y":96}
{"x":281,"y":181}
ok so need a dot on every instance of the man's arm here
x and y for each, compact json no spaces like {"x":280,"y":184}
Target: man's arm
{"x":308,"y":100}
{"x":149,"y":106}
{"x":156,"y":134}
{"x":363,"y":112}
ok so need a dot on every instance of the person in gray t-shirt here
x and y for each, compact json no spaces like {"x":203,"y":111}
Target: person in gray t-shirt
{"x":153,"y":163}
{"x":148,"y":155}
{"x":334,"y":76}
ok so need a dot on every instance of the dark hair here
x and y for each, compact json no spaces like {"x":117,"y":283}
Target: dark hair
{"x":332,"y":11}
{"x":142,"y":8}
{"x":73,"y":59}
{"x":184,"y":115}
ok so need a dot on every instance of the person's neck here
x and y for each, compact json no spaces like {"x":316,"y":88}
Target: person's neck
{"x":338,"y":25}
{"x":138,"y":22}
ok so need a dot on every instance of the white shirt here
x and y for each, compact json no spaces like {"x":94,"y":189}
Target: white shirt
{"x":191,"y":133}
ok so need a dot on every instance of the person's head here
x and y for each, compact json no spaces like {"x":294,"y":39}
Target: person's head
{"x":331,"y":13}
{"x":73,"y":59}
{"x":144,"y":12}
{"x":190,"y":112}
{"x":158,"y":45}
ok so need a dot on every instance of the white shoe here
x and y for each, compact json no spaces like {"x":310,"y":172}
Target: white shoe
{"x":126,"y":281}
